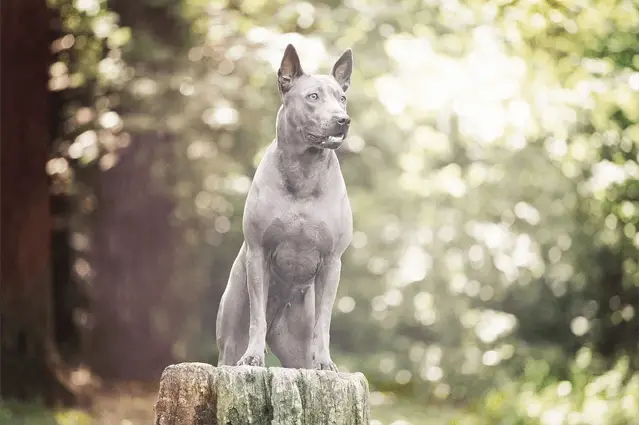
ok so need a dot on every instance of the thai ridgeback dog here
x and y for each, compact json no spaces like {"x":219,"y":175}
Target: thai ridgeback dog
{"x":297,"y":223}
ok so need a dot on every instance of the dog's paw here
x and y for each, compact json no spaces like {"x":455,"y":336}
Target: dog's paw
{"x":326,"y":365}
{"x":251,"y":360}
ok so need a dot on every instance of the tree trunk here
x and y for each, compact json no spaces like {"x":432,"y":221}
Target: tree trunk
{"x":137,"y":319}
{"x":26,"y":314}
{"x":200,"y":394}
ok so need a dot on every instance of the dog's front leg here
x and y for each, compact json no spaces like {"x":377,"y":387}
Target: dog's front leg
{"x":258,"y":282}
{"x":326,"y":284}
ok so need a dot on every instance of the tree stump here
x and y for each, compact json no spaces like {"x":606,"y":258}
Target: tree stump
{"x":201,"y":394}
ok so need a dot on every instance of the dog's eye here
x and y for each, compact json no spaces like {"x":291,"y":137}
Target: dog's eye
{"x":342,"y":99}
{"x":313,"y":96}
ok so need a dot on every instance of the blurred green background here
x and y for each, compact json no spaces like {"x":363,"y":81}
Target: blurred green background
{"x":492,"y":166}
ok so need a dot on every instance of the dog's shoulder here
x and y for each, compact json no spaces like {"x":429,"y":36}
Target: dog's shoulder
{"x":264,"y":194}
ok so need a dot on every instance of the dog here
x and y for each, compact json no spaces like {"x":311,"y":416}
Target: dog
{"x":297,"y":223}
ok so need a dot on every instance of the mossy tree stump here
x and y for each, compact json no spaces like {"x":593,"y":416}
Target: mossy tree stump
{"x":201,"y":394}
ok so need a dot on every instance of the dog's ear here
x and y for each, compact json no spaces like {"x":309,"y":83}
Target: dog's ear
{"x":290,"y":69}
{"x":343,"y":69}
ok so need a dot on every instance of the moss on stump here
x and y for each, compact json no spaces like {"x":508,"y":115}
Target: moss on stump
{"x":201,"y":394}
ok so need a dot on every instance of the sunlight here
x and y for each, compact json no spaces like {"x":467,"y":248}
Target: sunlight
{"x":414,"y":265}
{"x":56,"y":166}
{"x":493,"y":325}
{"x":411,"y":52}
{"x":103,"y":26}
{"x":110,"y":120}
{"x":311,"y":50}
{"x":475,"y":86}
{"x":554,"y":416}
{"x":596,"y":410}
{"x":392,"y":94}
{"x":606,"y":173}
{"x":525,"y":253}
{"x":346,"y":304}
{"x":490,"y":358}
{"x":432,"y":373}
{"x":495,"y":236}
{"x":110,"y":68}
{"x":425,"y":311}
{"x":85,"y":143}
{"x":90,"y":7}
{"x":579,"y":325}
{"x":449,"y":180}
{"x":221,"y":115}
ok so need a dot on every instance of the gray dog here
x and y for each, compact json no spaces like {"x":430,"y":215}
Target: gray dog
{"x":297,"y":224}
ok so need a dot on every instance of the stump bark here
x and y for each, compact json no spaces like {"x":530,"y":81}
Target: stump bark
{"x":201,"y":394}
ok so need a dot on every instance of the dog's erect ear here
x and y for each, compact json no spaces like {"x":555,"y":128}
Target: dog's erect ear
{"x":343,"y":69}
{"x":290,"y":69}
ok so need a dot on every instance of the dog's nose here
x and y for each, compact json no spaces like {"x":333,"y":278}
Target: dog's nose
{"x":343,"y":120}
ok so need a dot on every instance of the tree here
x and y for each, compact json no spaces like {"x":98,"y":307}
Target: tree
{"x":29,"y":356}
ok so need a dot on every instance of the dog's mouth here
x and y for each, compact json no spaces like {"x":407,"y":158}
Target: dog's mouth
{"x":327,"y":142}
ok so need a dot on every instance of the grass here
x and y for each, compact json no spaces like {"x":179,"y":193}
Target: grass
{"x":390,"y":412}
{"x":132,"y":404}
{"x":397,"y":411}
{"x":13,"y":413}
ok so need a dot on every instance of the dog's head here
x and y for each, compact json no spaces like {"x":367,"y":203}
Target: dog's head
{"x":315,"y":105}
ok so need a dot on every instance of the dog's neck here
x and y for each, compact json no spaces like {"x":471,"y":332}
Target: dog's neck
{"x":303,"y":167}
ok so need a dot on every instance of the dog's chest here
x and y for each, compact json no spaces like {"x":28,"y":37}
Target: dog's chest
{"x":296,"y":242}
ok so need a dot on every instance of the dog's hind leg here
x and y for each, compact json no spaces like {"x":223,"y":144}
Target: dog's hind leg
{"x":232,"y":323}
{"x":291,"y":337}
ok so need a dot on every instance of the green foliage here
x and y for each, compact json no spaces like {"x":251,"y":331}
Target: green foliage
{"x":606,"y":398}
{"x":86,"y":77}
{"x":86,"y":74}
{"x":492,"y":166}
